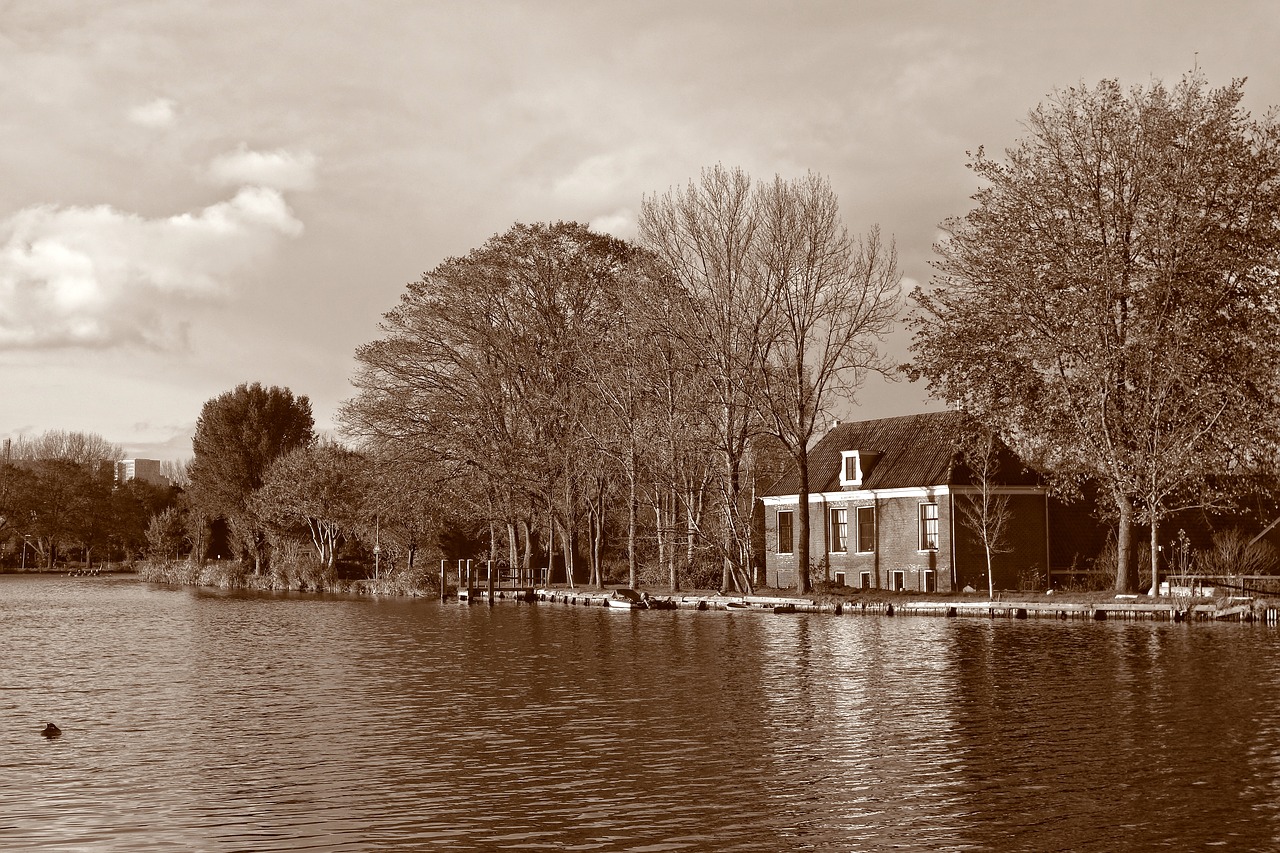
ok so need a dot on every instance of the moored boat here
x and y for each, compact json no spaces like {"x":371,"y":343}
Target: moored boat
{"x":625,"y":598}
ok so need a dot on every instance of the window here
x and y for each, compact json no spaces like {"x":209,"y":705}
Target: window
{"x":899,"y":581}
{"x":927,"y":582}
{"x":839,"y":578}
{"x":866,"y":529}
{"x":928,"y":527}
{"x":864,"y":580}
{"x":839,"y":530}
{"x":851,"y":468}
{"x":785,"y":538}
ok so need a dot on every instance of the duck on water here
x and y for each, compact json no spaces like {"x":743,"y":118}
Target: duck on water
{"x":50,"y":730}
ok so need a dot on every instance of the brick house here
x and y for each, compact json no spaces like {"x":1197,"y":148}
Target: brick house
{"x":885,"y":511}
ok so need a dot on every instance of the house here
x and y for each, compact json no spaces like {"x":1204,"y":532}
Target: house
{"x":887,"y":511}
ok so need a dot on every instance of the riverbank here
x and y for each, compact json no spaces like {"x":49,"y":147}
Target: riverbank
{"x":1096,"y":606}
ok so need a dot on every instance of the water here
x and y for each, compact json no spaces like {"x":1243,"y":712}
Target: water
{"x":198,"y":720}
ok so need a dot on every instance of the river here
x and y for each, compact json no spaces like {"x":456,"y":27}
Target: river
{"x":204,"y":720}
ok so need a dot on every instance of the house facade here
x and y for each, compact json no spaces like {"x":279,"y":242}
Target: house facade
{"x":891,"y":506}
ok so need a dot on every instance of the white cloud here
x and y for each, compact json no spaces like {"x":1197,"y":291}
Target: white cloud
{"x":280,"y":169}
{"x":621,"y":223}
{"x":101,"y":277}
{"x":159,"y":113}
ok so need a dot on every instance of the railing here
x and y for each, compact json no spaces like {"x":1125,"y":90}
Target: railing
{"x":484,"y":576}
{"x":1243,"y":584}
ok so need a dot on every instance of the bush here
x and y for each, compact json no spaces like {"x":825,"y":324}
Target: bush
{"x":1233,"y":554}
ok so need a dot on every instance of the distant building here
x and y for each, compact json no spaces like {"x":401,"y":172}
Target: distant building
{"x":147,"y":470}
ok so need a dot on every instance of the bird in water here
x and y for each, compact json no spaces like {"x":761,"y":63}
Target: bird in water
{"x":50,"y":730}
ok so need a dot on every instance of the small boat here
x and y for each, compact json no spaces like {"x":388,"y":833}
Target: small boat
{"x":625,"y":598}
{"x":737,"y":605}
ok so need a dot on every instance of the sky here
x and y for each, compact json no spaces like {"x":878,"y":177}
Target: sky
{"x":201,"y":194}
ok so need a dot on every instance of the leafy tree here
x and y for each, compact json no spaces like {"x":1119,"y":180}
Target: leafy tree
{"x":19,"y":493}
{"x":477,"y":376}
{"x":1109,"y":305}
{"x":238,"y":435}
{"x":166,"y":533}
{"x":132,"y":506}
{"x":67,"y":508}
{"x":317,"y":488}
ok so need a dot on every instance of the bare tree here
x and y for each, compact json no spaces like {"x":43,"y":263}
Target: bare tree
{"x":835,"y":298}
{"x":984,"y":511}
{"x":82,"y":448}
{"x":702,"y":236}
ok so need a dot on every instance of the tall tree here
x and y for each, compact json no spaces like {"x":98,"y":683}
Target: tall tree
{"x":1109,"y":305}
{"x":834,"y":300}
{"x":478,"y":372}
{"x":703,"y":237}
{"x":238,"y":435}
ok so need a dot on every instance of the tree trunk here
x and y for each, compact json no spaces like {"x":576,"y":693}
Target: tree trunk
{"x":802,"y":512}
{"x":1126,"y":571}
{"x":632,"y":509}
{"x":1155,"y":555}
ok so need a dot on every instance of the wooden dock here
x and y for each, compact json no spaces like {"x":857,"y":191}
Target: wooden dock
{"x":1123,"y":608}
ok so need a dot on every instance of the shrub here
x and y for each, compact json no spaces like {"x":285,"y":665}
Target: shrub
{"x":1233,"y":554}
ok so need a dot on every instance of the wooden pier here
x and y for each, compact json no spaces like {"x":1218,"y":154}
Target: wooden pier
{"x":493,"y":583}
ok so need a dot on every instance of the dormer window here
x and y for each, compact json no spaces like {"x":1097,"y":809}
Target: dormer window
{"x":851,"y":468}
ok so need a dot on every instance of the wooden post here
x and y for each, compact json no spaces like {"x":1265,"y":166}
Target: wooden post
{"x":489,"y":574}
{"x":443,"y":564}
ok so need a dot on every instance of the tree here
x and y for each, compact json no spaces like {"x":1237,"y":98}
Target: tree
{"x":318,"y":488}
{"x":238,"y":435}
{"x":1109,"y":305}
{"x":986,"y":513}
{"x":834,"y":299}
{"x":703,"y":236}
{"x":133,"y":506}
{"x":83,"y":448}
{"x":166,"y":534}
{"x":478,"y":374}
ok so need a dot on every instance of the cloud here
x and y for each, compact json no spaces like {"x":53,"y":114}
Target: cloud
{"x":101,"y":277}
{"x":280,"y":169}
{"x":621,"y":223}
{"x":159,"y":113}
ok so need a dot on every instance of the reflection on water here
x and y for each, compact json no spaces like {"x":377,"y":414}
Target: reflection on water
{"x":213,"y":721}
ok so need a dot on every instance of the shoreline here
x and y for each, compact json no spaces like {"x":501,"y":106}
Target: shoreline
{"x":1069,"y":606}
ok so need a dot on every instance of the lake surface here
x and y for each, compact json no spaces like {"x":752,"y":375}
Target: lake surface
{"x":199,"y":720}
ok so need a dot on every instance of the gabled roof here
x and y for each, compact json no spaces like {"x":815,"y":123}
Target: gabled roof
{"x":909,"y":451}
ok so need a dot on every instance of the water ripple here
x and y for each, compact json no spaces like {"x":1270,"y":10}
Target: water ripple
{"x":213,"y":721}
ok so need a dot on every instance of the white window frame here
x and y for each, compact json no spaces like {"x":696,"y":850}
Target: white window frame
{"x":925,"y":544}
{"x":839,"y":543}
{"x":928,"y":580}
{"x":840,"y":579}
{"x":864,"y":580}
{"x":845,"y":456}
{"x":898,"y":580}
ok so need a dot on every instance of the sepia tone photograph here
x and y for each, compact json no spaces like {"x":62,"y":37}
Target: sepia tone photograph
{"x":715,"y":425}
